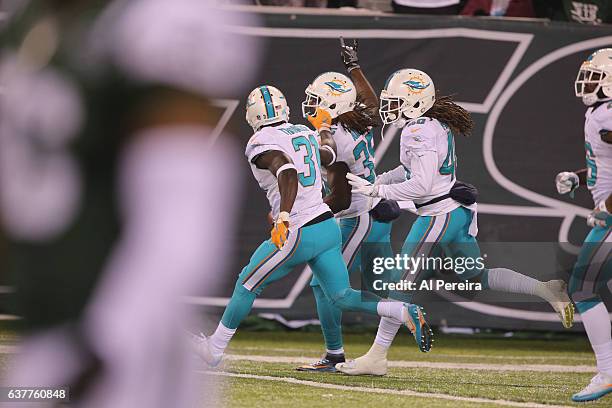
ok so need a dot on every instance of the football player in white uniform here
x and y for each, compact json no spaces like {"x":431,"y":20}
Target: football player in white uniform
{"x":285,"y":160}
{"x":351,"y":105}
{"x":593,"y":269}
{"x":446,"y":208}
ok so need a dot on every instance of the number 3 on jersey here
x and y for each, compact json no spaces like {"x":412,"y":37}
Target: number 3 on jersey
{"x":309,"y":145}
{"x":367,"y":151}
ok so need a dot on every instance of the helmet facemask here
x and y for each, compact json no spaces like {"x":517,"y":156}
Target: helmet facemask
{"x":310,"y":104}
{"x":589,"y":83}
{"x":391,"y":107}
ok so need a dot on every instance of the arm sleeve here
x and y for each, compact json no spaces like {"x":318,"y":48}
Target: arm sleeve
{"x":423,"y":167}
{"x":397,"y":175}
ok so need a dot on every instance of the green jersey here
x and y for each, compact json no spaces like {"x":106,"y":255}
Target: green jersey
{"x":78,"y":82}
{"x":60,"y":145}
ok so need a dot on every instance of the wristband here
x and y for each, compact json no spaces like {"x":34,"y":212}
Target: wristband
{"x":284,"y":167}
{"x":324,"y":127}
{"x":283,"y":216}
{"x":602,"y":206}
{"x":352,"y":67}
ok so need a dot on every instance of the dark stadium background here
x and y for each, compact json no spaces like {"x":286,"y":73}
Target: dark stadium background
{"x":538,"y":132}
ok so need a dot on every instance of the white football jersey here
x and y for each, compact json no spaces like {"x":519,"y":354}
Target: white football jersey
{"x":427,"y":134}
{"x":598,"y":152}
{"x":300,"y":144}
{"x":357,"y":151}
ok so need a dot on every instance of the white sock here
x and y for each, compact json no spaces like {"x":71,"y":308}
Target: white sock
{"x":507,"y":280}
{"x":387,"y":330}
{"x":597,"y":325}
{"x":220,"y":339}
{"x":335,"y":352}
{"x":392,"y":309}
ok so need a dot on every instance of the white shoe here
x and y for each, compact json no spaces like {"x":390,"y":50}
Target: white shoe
{"x":364,"y":365}
{"x":555,"y":293}
{"x":374,"y":362}
{"x":600,"y":385}
{"x":199,"y":345}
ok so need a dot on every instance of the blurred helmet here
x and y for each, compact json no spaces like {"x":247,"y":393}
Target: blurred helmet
{"x":266,"y":105}
{"x":595,"y":75}
{"x":331,"y":91}
{"x":409,"y":92}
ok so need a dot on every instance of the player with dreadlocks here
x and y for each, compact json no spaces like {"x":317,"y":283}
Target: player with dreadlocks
{"x":345,"y":109}
{"x":446,"y":208}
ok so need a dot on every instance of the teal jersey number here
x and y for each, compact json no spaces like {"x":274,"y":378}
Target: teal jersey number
{"x":591,"y":165}
{"x":365,"y":148}
{"x":450,"y":162}
{"x":309,"y":145}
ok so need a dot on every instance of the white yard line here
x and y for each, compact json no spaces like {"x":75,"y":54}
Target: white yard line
{"x":305,"y":351}
{"x":557,"y":368}
{"x":549,"y":368}
{"x":405,"y":393}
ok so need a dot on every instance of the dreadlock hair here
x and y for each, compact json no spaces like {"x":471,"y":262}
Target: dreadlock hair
{"x":360,"y":119}
{"x":447,"y":111}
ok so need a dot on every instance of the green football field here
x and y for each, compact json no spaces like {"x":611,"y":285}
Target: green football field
{"x":461,"y":371}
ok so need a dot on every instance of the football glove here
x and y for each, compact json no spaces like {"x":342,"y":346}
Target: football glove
{"x":280,"y":230}
{"x":566,"y":182}
{"x":321,"y":120}
{"x":348,"y":53}
{"x":362,"y":186}
{"x":599,"y":219}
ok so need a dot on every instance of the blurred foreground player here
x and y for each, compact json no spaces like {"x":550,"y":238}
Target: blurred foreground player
{"x":593,"y":270}
{"x":286,"y":162}
{"x":105,"y":179}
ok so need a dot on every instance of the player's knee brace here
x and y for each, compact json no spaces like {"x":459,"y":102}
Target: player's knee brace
{"x":318,"y":292}
{"x":344,"y":299}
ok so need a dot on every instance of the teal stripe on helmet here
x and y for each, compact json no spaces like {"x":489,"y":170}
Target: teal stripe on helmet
{"x":389,"y":79}
{"x":265,"y":92}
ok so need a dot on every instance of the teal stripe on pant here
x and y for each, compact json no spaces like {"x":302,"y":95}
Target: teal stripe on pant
{"x":446,"y":234}
{"x":317,"y":244}
{"x":593,"y":269}
{"x":329,"y":315}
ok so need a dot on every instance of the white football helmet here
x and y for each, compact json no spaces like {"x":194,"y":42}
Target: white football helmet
{"x":331,"y":91}
{"x":595,"y":74}
{"x":266,"y":105}
{"x":408,"y":92}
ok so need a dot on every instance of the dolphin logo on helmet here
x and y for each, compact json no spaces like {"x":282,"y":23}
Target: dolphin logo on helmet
{"x":332,"y":92}
{"x":408,"y":94}
{"x":337,"y":87}
{"x":416,"y":85}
